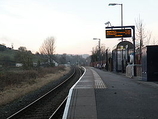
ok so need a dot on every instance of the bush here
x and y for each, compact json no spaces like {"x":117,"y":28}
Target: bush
{"x":12,"y":78}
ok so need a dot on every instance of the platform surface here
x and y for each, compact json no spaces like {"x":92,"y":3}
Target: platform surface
{"x":105,"y":95}
{"x":82,"y":104}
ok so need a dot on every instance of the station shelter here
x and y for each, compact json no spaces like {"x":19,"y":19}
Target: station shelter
{"x":121,"y":56}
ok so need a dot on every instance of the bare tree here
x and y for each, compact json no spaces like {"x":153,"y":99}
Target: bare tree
{"x":148,"y":38}
{"x":154,"y":41}
{"x":48,"y":48}
{"x":140,"y":32}
{"x":143,"y":36}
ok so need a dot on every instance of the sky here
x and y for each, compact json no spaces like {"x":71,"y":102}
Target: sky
{"x":73,"y":23}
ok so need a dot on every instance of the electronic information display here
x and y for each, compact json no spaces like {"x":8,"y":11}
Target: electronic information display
{"x":118,"y":33}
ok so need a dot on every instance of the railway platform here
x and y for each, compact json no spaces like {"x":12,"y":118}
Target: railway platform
{"x":81,"y":100}
{"x":105,"y":95}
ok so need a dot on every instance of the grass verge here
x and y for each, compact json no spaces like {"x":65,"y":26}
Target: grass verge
{"x":16,"y":90}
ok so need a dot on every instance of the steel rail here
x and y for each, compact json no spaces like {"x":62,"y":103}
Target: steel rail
{"x":70,"y":95}
{"x":64,"y":101}
{"x":16,"y":113}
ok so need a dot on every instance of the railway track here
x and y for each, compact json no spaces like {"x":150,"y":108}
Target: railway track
{"x":51,"y":104}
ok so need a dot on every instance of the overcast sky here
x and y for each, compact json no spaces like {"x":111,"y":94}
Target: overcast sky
{"x":73,"y":23}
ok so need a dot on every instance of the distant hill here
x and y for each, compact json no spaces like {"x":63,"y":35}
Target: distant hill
{"x":7,"y":52}
{"x":8,"y":55}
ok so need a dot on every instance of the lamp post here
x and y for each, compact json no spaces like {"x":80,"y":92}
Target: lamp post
{"x":113,"y":4}
{"x":99,"y":48}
